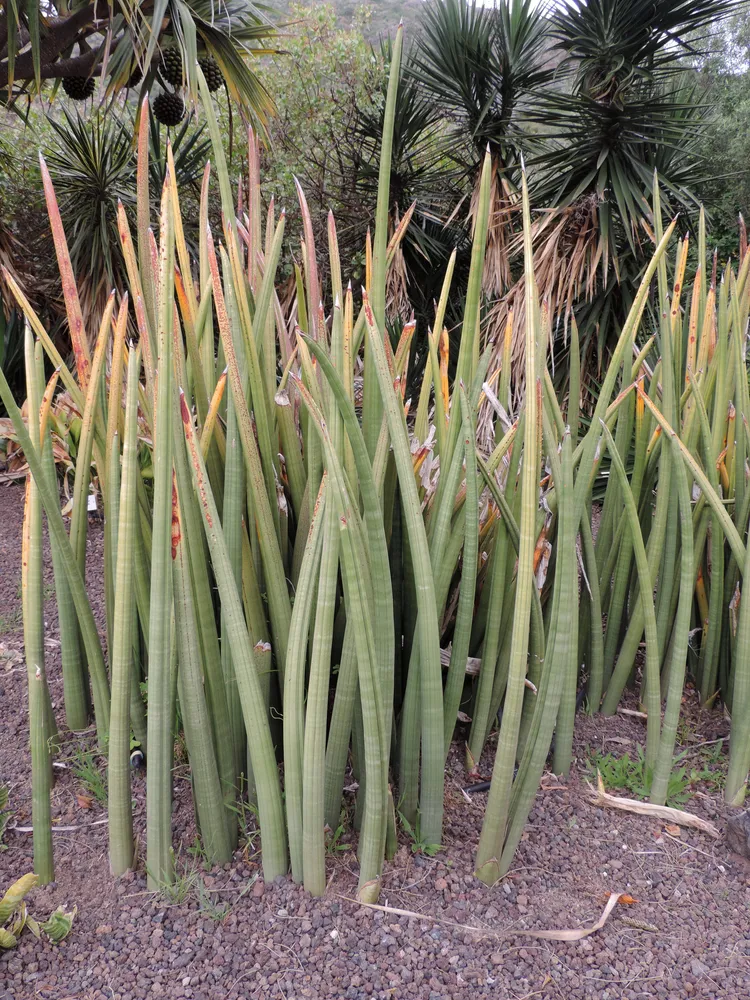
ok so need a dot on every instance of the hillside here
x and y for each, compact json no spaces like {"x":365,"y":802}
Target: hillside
{"x":383,"y":15}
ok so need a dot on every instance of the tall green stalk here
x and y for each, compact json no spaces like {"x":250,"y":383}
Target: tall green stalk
{"x":253,"y":708}
{"x":430,"y":671}
{"x":123,"y":626}
{"x":159,"y":856}
{"x":681,"y":636}
{"x":372,"y":402}
{"x":294,"y":684}
{"x":494,"y":827}
{"x":33,"y":636}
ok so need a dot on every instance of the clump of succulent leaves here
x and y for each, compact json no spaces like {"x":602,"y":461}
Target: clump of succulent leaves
{"x":15,"y":916}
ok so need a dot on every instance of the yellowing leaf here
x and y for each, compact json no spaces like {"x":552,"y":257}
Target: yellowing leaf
{"x":6,"y":939}
{"x":15,"y":894}
{"x":18,"y":922}
{"x":59,"y":923}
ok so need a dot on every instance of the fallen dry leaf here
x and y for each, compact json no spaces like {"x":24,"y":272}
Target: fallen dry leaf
{"x":574,"y":934}
{"x":673,"y":830}
{"x":603,"y":798}
{"x":84,"y":801}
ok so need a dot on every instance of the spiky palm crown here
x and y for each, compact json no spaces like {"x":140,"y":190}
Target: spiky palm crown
{"x":610,"y":44}
{"x":627,"y":101}
{"x":622,"y":107}
{"x":92,"y":163}
{"x":479,"y":64}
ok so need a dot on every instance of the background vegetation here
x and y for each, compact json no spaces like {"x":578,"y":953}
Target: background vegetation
{"x":327,"y":83}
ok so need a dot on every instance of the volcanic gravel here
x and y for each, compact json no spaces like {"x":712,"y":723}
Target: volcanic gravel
{"x":223,"y":933}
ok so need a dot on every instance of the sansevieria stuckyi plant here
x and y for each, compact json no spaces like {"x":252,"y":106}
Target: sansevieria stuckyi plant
{"x":302,"y":583}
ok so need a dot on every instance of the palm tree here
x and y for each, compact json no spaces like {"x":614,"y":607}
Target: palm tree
{"x":123,"y":43}
{"x":92,"y":163}
{"x":597,"y":94}
{"x":478,"y":65}
{"x":623,"y":107}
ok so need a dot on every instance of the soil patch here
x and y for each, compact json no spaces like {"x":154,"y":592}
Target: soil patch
{"x":223,"y":933}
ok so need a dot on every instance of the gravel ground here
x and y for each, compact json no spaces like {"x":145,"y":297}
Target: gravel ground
{"x":223,"y":933}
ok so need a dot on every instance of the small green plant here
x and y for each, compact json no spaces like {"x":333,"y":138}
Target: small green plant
{"x":247,"y":820}
{"x":183,"y":884}
{"x":418,"y":843}
{"x":632,"y":775}
{"x":213,"y":910}
{"x":715,"y":763}
{"x":86,"y":771}
{"x":11,"y":621}
{"x":188,"y":884}
{"x":5,"y":814}
{"x":621,"y":772}
{"x":198,"y":853}
{"x":684,"y":733}
{"x":334,"y":844}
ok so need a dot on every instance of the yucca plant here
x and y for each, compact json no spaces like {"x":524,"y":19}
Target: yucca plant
{"x":479,"y":64}
{"x":277,"y":545}
{"x":92,"y":166}
{"x":623,"y":106}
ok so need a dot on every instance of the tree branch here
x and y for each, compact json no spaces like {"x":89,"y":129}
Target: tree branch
{"x":60,"y":34}
{"x":74,"y":66}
